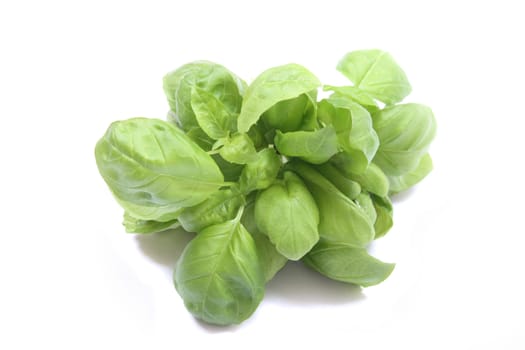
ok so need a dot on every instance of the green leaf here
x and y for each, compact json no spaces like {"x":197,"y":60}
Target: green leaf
{"x":154,"y":169}
{"x":298,"y":113}
{"x":211,"y":114}
{"x":221,"y":206}
{"x":372,"y":179}
{"x":286,"y":212}
{"x":272,"y":86}
{"x":230,"y":171}
{"x":197,"y":135}
{"x":340,"y":219}
{"x":271,"y":260}
{"x":405,"y":133}
{"x":353,"y":94}
{"x":353,"y":126}
{"x":238,"y":149}
{"x":384,"y":220}
{"x":219,"y":275}
{"x":315,"y":147}
{"x":207,"y":76}
{"x":134,"y":225}
{"x":347,"y":264}
{"x":376,"y":73}
{"x":404,"y":182}
{"x":364,"y":201}
{"x":260,"y":173}
{"x":348,"y":187}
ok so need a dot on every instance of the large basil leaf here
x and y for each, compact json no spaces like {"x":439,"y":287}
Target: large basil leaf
{"x":376,"y":73}
{"x":349,"y":264}
{"x":286,"y":212}
{"x":353,"y":126}
{"x":208,"y":76}
{"x":340,"y":219}
{"x":271,"y":260}
{"x":405,"y":132}
{"x":260,"y":173}
{"x":212,"y":115}
{"x":405,"y":181}
{"x":154,"y":169}
{"x":219,"y":275}
{"x":221,"y":206}
{"x":315,"y":147}
{"x":272,"y":86}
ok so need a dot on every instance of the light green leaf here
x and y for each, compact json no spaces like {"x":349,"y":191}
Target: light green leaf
{"x":372,"y":179}
{"x":404,"y":182}
{"x":376,"y":73}
{"x":315,"y":147}
{"x":238,"y":149}
{"x":260,"y":173}
{"x":348,"y":187}
{"x":272,"y":86}
{"x":384,"y":220}
{"x":405,"y":133}
{"x":221,"y":206}
{"x":347,"y":264}
{"x":219,"y":275}
{"x":286,"y":212}
{"x":364,"y":201}
{"x":208,"y":76}
{"x":154,"y":169}
{"x":353,"y":94}
{"x":271,"y":260}
{"x":211,"y":114}
{"x":298,"y":113}
{"x":134,"y":225}
{"x":340,"y":219}
{"x":353,"y":126}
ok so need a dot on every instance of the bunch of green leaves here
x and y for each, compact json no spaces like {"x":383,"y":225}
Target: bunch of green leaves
{"x":267,"y":172}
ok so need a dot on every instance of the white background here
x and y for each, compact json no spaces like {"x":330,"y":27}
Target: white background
{"x":71,"y":278}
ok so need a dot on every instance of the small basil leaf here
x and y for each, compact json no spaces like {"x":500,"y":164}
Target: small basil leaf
{"x":372,"y":179}
{"x":384,"y":220}
{"x":315,"y":147}
{"x":298,"y":113}
{"x":238,"y":149}
{"x":340,"y":219}
{"x":364,"y":201}
{"x":376,"y":73}
{"x":347,"y":264}
{"x":348,"y":187}
{"x":272,"y":86}
{"x":134,"y":225}
{"x":211,"y":114}
{"x":260,"y":173}
{"x":405,"y":132}
{"x":221,"y":206}
{"x":286,"y":212}
{"x":353,"y":94}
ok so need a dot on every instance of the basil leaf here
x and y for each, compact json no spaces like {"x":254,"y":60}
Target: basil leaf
{"x":347,"y":264}
{"x":340,"y":219}
{"x":286,"y":212}
{"x":207,"y":76}
{"x":238,"y":149}
{"x":271,"y":260}
{"x":405,"y":132}
{"x":372,"y":179}
{"x":219,"y":275}
{"x":376,"y":73}
{"x":384,"y":220}
{"x":260,"y":173}
{"x":348,"y":187}
{"x":315,"y":147}
{"x":404,"y":182}
{"x":353,"y":94}
{"x":298,"y":113}
{"x":212,"y":115}
{"x":154,"y":169}
{"x":272,"y":86}
{"x":134,"y":225}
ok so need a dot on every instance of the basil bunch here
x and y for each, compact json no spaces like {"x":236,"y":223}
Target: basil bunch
{"x":267,"y":173}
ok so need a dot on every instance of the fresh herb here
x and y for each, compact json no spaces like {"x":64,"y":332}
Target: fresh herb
{"x":266,"y":173}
